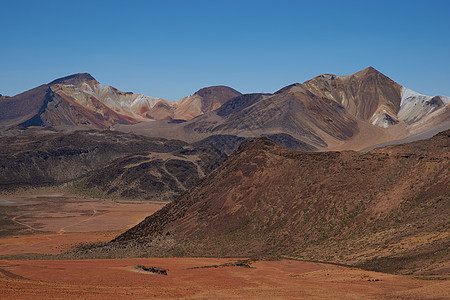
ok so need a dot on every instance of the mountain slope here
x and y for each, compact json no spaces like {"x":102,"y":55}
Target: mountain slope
{"x":308,"y":119}
{"x":47,"y":105}
{"x":391,"y":204}
{"x":331,"y":112}
{"x":80,"y":100}
{"x":414,"y":106}
{"x":368,"y":95}
{"x":373,"y":97}
{"x":25,"y":106}
{"x":152,"y":175}
{"x":105,"y":163}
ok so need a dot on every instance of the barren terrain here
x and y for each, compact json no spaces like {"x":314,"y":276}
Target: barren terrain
{"x":191,"y":278}
{"x":384,"y":210}
{"x":51,"y":223}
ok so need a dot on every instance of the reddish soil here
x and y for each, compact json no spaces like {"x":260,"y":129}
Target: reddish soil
{"x":118,"y":279}
{"x":54,"y":223}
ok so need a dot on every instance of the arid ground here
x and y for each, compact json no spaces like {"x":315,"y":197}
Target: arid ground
{"x":54,"y":223}
{"x":283,"y":279}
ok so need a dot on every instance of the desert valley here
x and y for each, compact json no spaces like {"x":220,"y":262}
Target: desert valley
{"x":337,"y":187}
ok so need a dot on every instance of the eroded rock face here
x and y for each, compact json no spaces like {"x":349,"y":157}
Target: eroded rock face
{"x":293,"y":112}
{"x":153,"y":175}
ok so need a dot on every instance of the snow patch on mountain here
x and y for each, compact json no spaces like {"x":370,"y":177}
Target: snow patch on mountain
{"x":383,"y":119}
{"x":445,"y":99}
{"x":415,"y":106}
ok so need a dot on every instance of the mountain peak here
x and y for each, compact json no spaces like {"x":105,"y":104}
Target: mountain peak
{"x":74,"y":79}
{"x":216,"y":89}
{"x":368,"y":70}
{"x":214,"y":97}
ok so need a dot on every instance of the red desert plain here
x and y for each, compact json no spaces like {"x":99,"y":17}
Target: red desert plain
{"x":40,"y":223}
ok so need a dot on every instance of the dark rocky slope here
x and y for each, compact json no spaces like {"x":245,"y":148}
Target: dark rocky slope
{"x":105,"y":163}
{"x":386,"y":209}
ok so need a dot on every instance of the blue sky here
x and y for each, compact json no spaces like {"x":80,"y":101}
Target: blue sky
{"x":170,"y":49}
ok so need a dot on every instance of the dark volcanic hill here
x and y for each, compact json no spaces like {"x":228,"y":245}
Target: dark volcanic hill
{"x":386,"y":209}
{"x":104,"y":163}
{"x":75,"y":79}
{"x":152,"y":175}
{"x":23,"y":107}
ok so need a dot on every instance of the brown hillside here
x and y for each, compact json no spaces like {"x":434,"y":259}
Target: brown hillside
{"x":295,"y":111}
{"x":75,"y":79}
{"x":47,"y":105}
{"x":362,"y":93}
{"x":386,"y":209}
{"x":215,"y":96}
{"x":204,"y":101}
{"x":23,"y":107}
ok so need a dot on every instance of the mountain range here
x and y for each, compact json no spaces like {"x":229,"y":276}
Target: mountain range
{"x":328,"y":112}
{"x":229,"y":163}
{"x":79,"y":100}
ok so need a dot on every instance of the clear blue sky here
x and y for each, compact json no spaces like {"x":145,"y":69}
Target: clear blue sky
{"x":170,"y":49}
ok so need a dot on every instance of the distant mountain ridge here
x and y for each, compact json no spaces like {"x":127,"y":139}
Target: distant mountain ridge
{"x":80,"y":100}
{"x":354,"y":111}
{"x":371,"y":96}
{"x":330,"y":112}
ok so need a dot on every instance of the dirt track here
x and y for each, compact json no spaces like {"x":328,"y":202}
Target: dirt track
{"x":53,"y":223}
